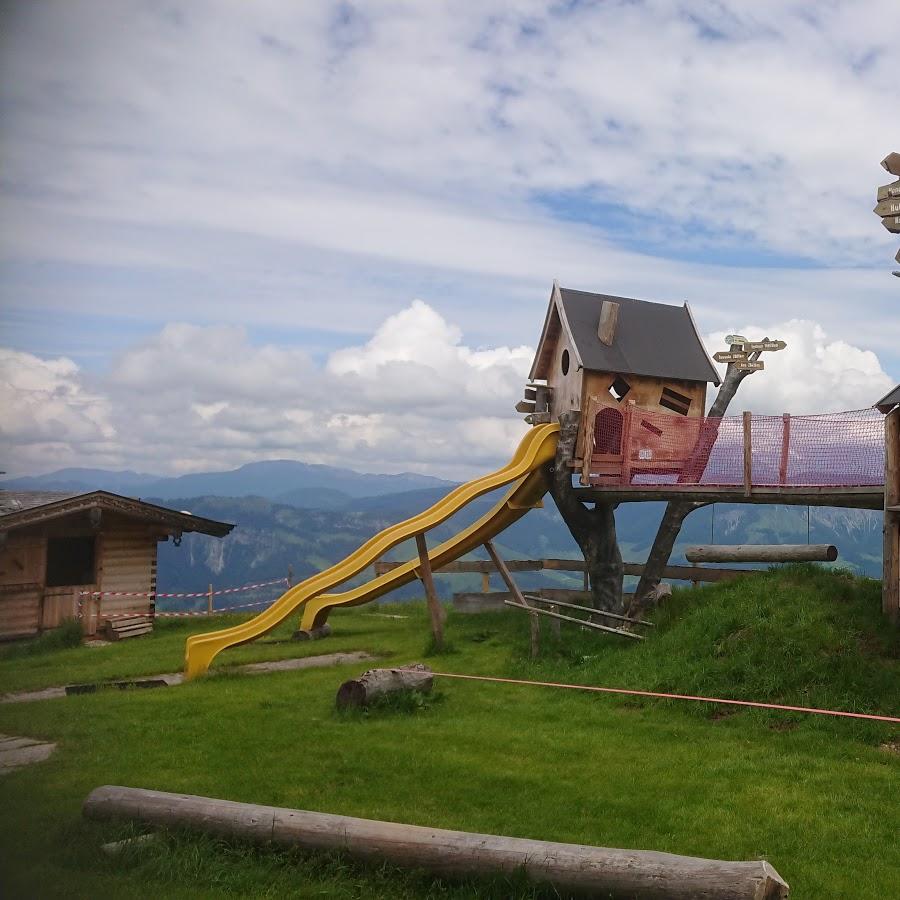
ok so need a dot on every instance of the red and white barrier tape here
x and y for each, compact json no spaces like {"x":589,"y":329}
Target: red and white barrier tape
{"x":182,"y":596}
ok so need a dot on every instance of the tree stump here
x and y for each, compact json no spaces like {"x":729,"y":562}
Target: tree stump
{"x":359,"y":692}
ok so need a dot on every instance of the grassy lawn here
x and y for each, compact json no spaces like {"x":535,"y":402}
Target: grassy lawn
{"x":819,"y":798}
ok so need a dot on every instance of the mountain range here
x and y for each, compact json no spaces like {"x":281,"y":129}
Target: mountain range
{"x":291,"y":514}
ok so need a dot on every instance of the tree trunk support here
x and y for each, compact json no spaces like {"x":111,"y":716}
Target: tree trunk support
{"x":594,"y":529}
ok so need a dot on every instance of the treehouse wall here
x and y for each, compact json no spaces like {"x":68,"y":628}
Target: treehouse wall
{"x":564,"y":378}
{"x":686,"y":398}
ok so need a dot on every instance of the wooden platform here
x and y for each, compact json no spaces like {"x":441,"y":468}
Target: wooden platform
{"x":866,"y":497}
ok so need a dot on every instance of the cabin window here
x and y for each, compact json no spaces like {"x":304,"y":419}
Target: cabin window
{"x":619,"y":388}
{"x":676,"y":402}
{"x":564,"y":362}
{"x":70,"y":560}
{"x":608,"y":431}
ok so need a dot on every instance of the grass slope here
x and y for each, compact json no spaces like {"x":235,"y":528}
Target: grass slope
{"x":817,"y":797}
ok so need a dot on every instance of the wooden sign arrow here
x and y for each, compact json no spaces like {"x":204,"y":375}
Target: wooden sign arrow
{"x":887,"y":208}
{"x":729,"y":356}
{"x":750,"y":365}
{"x":886,"y":191}
{"x":892,"y":163}
{"x":765,"y":345}
{"x":892,"y":223}
{"x":735,"y":339}
{"x":897,"y":257}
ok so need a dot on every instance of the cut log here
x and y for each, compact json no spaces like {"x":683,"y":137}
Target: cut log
{"x":762,"y":553}
{"x":313,"y":634}
{"x":598,"y":871}
{"x":360,"y":692}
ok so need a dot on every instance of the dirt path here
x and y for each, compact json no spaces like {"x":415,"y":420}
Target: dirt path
{"x":174,"y":678}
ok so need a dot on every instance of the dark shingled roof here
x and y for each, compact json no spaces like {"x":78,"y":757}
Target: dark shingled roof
{"x":653,"y":339}
{"x":889,"y":400}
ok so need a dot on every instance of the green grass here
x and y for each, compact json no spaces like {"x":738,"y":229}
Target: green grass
{"x":817,"y":797}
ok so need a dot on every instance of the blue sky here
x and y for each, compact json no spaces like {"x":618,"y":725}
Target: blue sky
{"x":194,"y":190}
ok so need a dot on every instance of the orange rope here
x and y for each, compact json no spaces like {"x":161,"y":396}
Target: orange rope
{"x":663,"y":696}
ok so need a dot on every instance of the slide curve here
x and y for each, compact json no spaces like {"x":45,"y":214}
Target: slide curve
{"x":526,"y":474}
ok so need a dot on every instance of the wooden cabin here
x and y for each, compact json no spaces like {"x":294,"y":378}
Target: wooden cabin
{"x":889,"y":404}
{"x":54,"y":547}
{"x":637,"y":371}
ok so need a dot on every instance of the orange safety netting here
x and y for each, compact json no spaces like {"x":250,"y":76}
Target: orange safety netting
{"x":650,"y":448}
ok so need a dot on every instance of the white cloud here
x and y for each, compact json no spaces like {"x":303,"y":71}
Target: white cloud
{"x":414,"y":397}
{"x":813,"y":374}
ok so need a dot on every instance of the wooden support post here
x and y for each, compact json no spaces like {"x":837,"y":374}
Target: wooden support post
{"x":569,"y":868}
{"x":554,"y":623}
{"x":434,"y":605}
{"x":485,"y":582}
{"x":626,"y":441}
{"x":785,"y":447}
{"x":890,"y":597}
{"x":748,"y":454}
{"x":514,"y":590}
{"x":209,"y":601}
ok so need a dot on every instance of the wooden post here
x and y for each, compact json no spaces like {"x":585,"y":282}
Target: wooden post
{"x":748,"y":457}
{"x":785,"y":447}
{"x":485,"y":582}
{"x":514,"y":590}
{"x":554,"y":623}
{"x":890,"y":597}
{"x":626,"y":441}
{"x":434,"y":605}
{"x":209,"y":601}
{"x":84,"y":604}
{"x":771,"y":553}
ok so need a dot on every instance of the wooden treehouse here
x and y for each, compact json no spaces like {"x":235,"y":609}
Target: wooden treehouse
{"x":621,"y":363}
{"x":57,"y":550}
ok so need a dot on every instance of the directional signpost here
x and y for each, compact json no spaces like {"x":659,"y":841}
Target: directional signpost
{"x":765,"y":345}
{"x":735,"y":339}
{"x":750,"y":365}
{"x":730,"y":356}
{"x":888,"y":196}
{"x":740,"y":359}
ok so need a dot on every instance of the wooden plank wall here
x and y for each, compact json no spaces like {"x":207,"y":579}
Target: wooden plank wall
{"x":126,"y":557}
{"x":21,"y":584}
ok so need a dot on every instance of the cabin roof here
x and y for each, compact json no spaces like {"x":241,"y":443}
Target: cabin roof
{"x":653,"y":339}
{"x":19,"y":509}
{"x":889,"y":400}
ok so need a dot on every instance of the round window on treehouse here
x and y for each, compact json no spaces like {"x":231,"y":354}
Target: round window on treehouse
{"x":564,"y":362}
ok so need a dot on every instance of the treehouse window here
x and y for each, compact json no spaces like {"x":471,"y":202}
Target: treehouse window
{"x":70,"y":560}
{"x":676,"y":402}
{"x":564,"y":362}
{"x":619,"y":388}
{"x":608,"y":431}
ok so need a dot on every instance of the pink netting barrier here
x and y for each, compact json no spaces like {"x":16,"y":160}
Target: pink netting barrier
{"x":648,"y":448}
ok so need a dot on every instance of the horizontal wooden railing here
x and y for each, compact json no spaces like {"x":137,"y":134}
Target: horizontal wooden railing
{"x":486,"y":567}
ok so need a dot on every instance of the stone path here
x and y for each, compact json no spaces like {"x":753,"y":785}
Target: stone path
{"x":22,"y":751}
{"x":173,"y":678}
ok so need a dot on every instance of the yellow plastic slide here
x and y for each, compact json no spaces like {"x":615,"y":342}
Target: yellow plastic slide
{"x":526,"y":473}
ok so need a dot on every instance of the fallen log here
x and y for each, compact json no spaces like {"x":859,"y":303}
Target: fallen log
{"x":360,"y":692}
{"x":599,"y":871}
{"x":762,"y":553}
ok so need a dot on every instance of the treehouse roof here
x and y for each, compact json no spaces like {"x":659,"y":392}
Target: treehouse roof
{"x":889,"y":400}
{"x":653,"y":339}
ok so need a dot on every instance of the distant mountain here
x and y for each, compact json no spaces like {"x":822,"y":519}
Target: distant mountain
{"x":270,"y":536}
{"x":124,"y":482}
{"x":283,"y":479}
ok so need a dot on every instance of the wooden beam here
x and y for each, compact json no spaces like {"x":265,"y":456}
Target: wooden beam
{"x":589,"y":609}
{"x":785,"y":448}
{"x":434,"y":605}
{"x":855,"y":497}
{"x":583,"y":622}
{"x":609,"y":318}
{"x":762,"y":553}
{"x":890,"y":585}
{"x":569,"y":868}
{"x":514,"y":590}
{"x":748,"y":454}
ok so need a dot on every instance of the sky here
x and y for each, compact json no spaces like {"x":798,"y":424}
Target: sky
{"x":328,"y":231}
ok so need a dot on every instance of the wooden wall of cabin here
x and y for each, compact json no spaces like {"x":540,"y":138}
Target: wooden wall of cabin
{"x":646,"y":393}
{"x":564,"y":378}
{"x":125,"y":559}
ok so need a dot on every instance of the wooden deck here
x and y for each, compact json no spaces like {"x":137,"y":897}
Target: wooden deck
{"x":865,"y":497}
